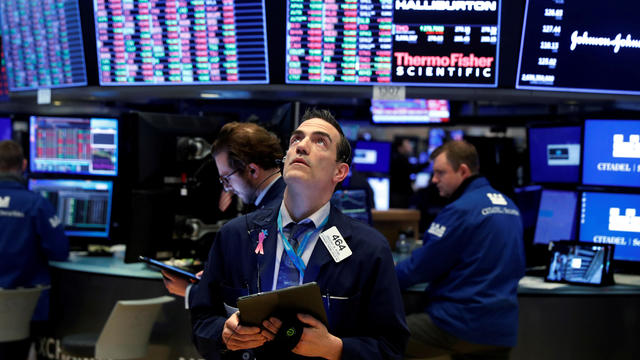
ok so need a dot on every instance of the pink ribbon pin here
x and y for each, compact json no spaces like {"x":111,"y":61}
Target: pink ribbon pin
{"x":260,"y":248}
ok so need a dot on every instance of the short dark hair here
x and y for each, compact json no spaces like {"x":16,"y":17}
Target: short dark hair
{"x":11,"y":156}
{"x":247,"y":143}
{"x":343,"y":147}
{"x":459,"y":152}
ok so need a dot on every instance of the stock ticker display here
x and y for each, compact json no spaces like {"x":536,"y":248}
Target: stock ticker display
{"x":402,"y":42}
{"x":42,"y":44}
{"x":166,"y":42}
{"x":73,"y":145}
{"x":584,"y":46}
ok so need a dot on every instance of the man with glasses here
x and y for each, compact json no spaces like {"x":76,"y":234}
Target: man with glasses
{"x":303,"y":240}
{"x":248,"y":159}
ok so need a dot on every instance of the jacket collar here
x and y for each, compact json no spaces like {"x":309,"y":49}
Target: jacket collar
{"x":12,"y":180}
{"x":468,"y":184}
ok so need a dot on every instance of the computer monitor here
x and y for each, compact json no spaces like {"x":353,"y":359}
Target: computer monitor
{"x":611,"y":153}
{"x":43,"y":44}
{"x":183,"y":43}
{"x":83,"y":206}
{"x":5,"y":129}
{"x":353,"y":203}
{"x":372,"y":156}
{"x":412,"y":43}
{"x":556,"y":216}
{"x":380,"y":187}
{"x":554,"y":154}
{"x":571,"y":45}
{"x":409,"y":111}
{"x":73,"y":145}
{"x":421,"y":180}
{"x":612,"y":218}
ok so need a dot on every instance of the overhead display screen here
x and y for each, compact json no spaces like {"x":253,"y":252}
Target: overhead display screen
{"x":42,"y":43}
{"x":409,"y":111}
{"x":400,"y":42}
{"x":583,"y":46}
{"x":178,"y":42}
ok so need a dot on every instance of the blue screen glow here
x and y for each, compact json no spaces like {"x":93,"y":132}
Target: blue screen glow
{"x":608,"y":218}
{"x":611,"y":153}
{"x":554,"y":154}
{"x":83,"y":206}
{"x":556,"y":216}
{"x":372,"y":156}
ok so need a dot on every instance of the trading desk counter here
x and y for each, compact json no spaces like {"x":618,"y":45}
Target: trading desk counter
{"x":557,"y":321}
{"x":560,"y":321}
{"x":84,"y":291}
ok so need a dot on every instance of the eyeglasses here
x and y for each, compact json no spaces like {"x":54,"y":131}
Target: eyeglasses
{"x":224,"y":180}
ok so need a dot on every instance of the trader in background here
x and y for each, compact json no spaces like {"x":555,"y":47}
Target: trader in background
{"x":248,"y":159}
{"x":30,"y":235}
{"x":472,"y":258}
{"x":261,"y":251}
{"x":400,"y":186}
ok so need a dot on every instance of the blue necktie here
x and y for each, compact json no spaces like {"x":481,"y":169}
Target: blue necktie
{"x":288,"y":274}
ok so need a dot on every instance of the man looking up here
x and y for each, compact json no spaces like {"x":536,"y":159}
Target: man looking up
{"x":472,"y":258}
{"x":259,"y":252}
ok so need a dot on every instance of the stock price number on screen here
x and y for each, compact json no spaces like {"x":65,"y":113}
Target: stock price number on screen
{"x":549,"y":45}
{"x":546,"y":61}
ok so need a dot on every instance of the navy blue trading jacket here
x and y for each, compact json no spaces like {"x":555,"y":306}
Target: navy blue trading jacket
{"x":30,"y":236}
{"x":472,"y":258}
{"x":365,"y":309}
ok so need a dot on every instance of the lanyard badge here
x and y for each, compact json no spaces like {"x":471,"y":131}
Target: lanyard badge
{"x":296,"y":256}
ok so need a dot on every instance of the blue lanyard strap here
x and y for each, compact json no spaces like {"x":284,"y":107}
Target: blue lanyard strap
{"x":296,"y":256}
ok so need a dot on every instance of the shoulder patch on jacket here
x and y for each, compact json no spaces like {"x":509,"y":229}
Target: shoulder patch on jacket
{"x":497,"y":199}
{"x":437,"y":229}
{"x":54,"y":221}
{"x":4,"y":201}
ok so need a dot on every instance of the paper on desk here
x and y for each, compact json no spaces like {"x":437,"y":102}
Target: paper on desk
{"x":535,"y":282}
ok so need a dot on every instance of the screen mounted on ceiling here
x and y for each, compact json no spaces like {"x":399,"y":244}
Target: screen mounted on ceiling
{"x":584,"y":46}
{"x":42,"y":43}
{"x":409,"y":111}
{"x":402,"y":42}
{"x":168,"y":42}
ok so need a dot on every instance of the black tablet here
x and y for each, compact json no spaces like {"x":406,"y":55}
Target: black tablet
{"x":171,"y":269}
{"x":305,"y":299}
{"x":580,"y":263}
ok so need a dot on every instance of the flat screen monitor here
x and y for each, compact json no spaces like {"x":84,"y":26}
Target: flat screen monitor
{"x":42,"y":43}
{"x":4,"y":83}
{"x":612,"y":218}
{"x":556,"y":216}
{"x":611,"y":153}
{"x":181,"y":43}
{"x":372,"y":156}
{"x":73,"y":145}
{"x":554,"y":154}
{"x":353,"y":203}
{"x":409,"y":111}
{"x":380,"y":187}
{"x":5,"y":129}
{"x":83,"y":206}
{"x":583,"y":46}
{"x":402,"y":42}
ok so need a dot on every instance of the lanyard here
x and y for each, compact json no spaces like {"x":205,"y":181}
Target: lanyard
{"x":296,"y":256}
